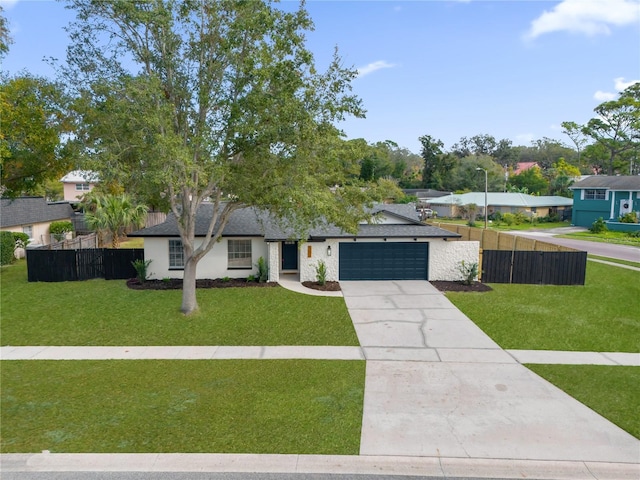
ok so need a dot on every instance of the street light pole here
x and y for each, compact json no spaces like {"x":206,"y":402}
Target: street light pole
{"x":486,"y":186}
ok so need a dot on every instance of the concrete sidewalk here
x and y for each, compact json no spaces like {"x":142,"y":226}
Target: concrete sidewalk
{"x":436,"y":385}
{"x":310,"y":464}
{"x":326,"y":352}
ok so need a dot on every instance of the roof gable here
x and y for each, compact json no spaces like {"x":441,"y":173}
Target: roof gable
{"x":621,"y":182}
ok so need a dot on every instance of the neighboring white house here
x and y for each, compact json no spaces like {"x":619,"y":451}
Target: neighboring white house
{"x":530,"y":205}
{"x":394,"y":246}
{"x":77,"y":183}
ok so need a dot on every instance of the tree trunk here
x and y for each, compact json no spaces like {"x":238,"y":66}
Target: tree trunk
{"x":189,"y":301}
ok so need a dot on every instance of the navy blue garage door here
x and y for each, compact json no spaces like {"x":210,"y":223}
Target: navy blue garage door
{"x":384,"y":261}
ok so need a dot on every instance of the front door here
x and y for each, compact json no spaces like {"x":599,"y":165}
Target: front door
{"x":290,"y":255}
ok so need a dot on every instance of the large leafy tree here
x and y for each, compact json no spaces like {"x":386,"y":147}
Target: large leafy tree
{"x":33,"y":120}
{"x":215,"y":100}
{"x":574,"y":132}
{"x":617,"y":125}
{"x":5,"y":38}
{"x":437,"y":164}
{"x":531,"y":180}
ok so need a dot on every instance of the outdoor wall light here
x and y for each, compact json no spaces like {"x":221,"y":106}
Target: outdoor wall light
{"x":329,"y":251}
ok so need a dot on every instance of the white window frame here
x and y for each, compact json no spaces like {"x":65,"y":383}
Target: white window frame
{"x":239,"y":254}
{"x":176,"y":254}
{"x":83,"y":187}
{"x":28,"y":229}
{"x":595,"y":194}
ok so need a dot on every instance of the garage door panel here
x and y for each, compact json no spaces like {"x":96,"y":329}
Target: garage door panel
{"x":384,"y":261}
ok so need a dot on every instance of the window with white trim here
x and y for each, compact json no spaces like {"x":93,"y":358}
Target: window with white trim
{"x":239,"y":253}
{"x":28,"y":229}
{"x":176,"y":254}
{"x":83,"y":187}
{"x":595,"y":194}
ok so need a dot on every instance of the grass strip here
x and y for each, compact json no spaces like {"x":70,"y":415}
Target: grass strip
{"x":107,"y":313}
{"x":144,"y":406}
{"x":601,"y":316}
{"x":612,"y":391}
{"x":617,"y":238}
{"x":615,"y":260}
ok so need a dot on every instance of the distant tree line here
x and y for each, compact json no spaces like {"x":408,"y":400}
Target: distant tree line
{"x":607,"y":144}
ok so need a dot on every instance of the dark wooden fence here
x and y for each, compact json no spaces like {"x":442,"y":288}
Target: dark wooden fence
{"x":75,"y":265}
{"x":542,"y":268}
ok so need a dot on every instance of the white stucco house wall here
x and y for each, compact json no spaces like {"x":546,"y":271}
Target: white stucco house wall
{"x":394,"y":245}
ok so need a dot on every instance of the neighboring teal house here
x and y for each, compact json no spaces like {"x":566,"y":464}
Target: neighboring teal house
{"x":608,"y":197}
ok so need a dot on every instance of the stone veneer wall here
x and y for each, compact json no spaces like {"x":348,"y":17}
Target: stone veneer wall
{"x":318,"y":252}
{"x":445,"y":258}
{"x":273,"y":250}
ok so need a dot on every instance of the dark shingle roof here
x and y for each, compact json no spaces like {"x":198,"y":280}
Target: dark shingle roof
{"x":31,"y":210}
{"x":251,"y":222}
{"x":622,"y":182}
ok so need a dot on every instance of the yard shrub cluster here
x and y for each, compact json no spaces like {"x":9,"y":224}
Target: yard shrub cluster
{"x":519,"y":218}
{"x":599,"y":226}
{"x":7,"y":247}
{"x":469,"y":272}
{"x":59,"y":229}
{"x":630,"y":217}
{"x":263,"y":270}
{"x":142,"y":269}
{"x":21,"y":240}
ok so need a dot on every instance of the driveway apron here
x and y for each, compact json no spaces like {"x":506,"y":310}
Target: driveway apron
{"x":437,"y":386}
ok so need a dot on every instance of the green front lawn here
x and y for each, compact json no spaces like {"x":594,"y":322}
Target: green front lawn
{"x":100,"y":312}
{"x":619,"y":238}
{"x":612,"y":391}
{"x":222,"y":406}
{"x":600,"y":316}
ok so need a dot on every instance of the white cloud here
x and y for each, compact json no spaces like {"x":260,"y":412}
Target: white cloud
{"x":591,"y":17}
{"x":604,"y":96}
{"x":622,"y":85}
{"x":372,"y":67}
{"x":619,"y":85}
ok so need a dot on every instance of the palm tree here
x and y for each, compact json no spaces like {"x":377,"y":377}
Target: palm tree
{"x":113,"y":213}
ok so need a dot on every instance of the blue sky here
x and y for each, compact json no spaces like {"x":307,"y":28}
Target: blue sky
{"x":511,"y":69}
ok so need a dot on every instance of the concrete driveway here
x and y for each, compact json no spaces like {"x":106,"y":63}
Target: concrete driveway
{"x":437,"y":386}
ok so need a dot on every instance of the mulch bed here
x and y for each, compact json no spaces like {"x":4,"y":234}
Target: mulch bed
{"x":176,"y":284}
{"x":327,"y":287}
{"x":460,"y":287}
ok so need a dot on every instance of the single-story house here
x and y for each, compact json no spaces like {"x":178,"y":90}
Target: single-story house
{"x":32,"y":215}
{"x":77,"y":183}
{"x":609,"y":197}
{"x":530,"y":205}
{"x":395,"y":245}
